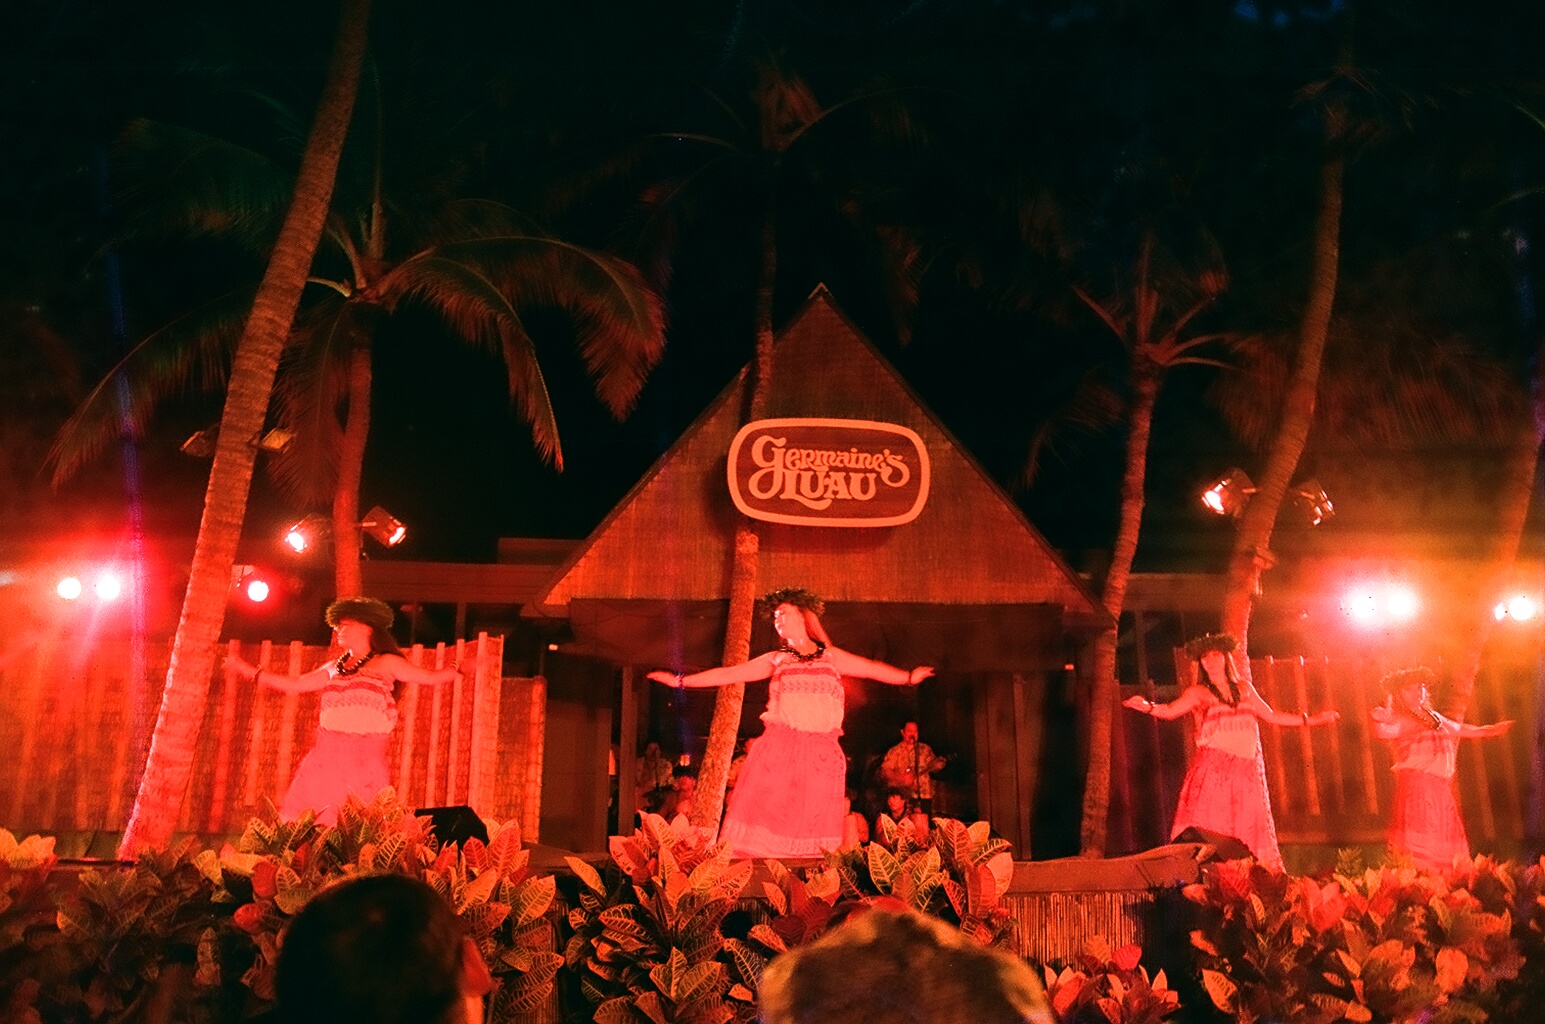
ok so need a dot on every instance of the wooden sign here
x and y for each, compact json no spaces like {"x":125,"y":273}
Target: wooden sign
{"x":826,"y":472}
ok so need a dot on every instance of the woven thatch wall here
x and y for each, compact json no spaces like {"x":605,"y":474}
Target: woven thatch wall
{"x":77,"y":734}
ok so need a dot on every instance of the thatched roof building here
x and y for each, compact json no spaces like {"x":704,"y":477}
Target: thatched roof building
{"x":968,"y":585}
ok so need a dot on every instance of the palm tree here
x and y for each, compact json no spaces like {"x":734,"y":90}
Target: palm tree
{"x":169,"y":765}
{"x":1152,"y":346}
{"x":475,"y":264}
{"x":781,"y":149}
{"x":1250,"y":554}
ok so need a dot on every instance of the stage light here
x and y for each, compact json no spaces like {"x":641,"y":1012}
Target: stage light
{"x":384,"y":527}
{"x":1402,"y":604}
{"x":1379,"y":604}
{"x":108,"y":586}
{"x":276,"y":440}
{"x":203,"y":443}
{"x":1313,"y":502}
{"x":70,"y":588}
{"x":307,"y":534}
{"x":1228,"y":495}
{"x":257,"y":590}
{"x":1362,"y":606}
{"x":1519,"y":608}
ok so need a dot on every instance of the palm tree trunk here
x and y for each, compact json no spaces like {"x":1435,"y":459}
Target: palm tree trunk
{"x":708,"y":806}
{"x":1514,"y":497}
{"x":1251,"y":552}
{"x":351,"y":463}
{"x":169,"y":764}
{"x":1102,"y":706}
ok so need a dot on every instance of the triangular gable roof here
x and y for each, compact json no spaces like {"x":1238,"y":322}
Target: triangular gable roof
{"x":670,"y":537}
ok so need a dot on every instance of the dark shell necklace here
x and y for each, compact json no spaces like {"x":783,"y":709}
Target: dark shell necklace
{"x":343,"y":668}
{"x":820,"y":649}
{"x":1423,"y":716}
{"x":1207,"y":682}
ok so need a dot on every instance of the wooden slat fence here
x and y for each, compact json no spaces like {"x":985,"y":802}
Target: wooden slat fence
{"x":1329,"y":785}
{"x":77,"y":734}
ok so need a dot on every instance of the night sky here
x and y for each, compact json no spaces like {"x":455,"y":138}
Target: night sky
{"x":1048,"y":137}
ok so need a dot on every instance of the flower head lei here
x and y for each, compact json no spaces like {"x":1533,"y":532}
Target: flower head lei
{"x":1223,"y":643}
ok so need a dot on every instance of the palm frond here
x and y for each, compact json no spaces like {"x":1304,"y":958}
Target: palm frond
{"x":192,"y":353}
{"x":1385,"y":385}
{"x":474,"y":306}
{"x":1091,"y":407}
{"x":619,"y":320}
{"x":178,"y":182}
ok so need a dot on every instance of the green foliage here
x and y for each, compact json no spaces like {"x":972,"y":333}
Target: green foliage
{"x":26,"y":908}
{"x":1391,"y":944}
{"x":646,"y":943}
{"x":1105,"y":986}
{"x":121,"y":937}
{"x":278,"y":866}
{"x":957,"y":872}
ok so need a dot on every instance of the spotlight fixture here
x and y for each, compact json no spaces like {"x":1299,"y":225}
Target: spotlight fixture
{"x":307,"y":534}
{"x":202,"y":444}
{"x":1381,"y":604}
{"x":1312,"y":500}
{"x":276,"y":440}
{"x":378,"y":524}
{"x":1228,"y":495}
{"x":384,"y":527}
{"x":1518,"y":607}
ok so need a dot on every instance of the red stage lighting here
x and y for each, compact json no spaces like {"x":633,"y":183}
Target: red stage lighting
{"x":306,"y":534}
{"x":1518,"y":607}
{"x":1362,"y":606}
{"x":1402,"y":604}
{"x":108,"y":587}
{"x":70,"y":588}
{"x":1374,"y":605}
{"x":257,"y":590}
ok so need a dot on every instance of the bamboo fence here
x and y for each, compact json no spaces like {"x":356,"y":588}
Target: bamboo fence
{"x":78,"y":726}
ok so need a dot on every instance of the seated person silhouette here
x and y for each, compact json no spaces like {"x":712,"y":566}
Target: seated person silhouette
{"x":384,"y":948}
{"x":895,"y":966}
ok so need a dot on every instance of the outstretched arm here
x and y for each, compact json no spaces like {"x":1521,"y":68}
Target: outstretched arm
{"x":759,"y":667}
{"x":1191,"y":698}
{"x":1478,"y":732}
{"x":405,"y":671}
{"x":850,"y":664}
{"x":244,"y":669}
{"x":1257,"y":706}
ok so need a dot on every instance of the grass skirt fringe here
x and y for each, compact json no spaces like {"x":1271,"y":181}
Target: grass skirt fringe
{"x":1227,"y":794}
{"x":339,"y":763}
{"x":1425,"y":823}
{"x":788,"y":800}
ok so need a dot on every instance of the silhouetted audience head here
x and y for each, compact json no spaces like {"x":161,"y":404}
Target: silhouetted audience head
{"x":884,"y":966}
{"x":384,"y":948}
